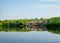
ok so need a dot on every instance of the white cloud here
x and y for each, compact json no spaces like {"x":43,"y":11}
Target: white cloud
{"x":57,"y":1}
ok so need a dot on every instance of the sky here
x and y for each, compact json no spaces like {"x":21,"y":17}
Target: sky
{"x":21,"y":9}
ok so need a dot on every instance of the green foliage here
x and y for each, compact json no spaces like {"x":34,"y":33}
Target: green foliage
{"x":53,"y":22}
{"x":12,"y":23}
{"x":53,"y":25}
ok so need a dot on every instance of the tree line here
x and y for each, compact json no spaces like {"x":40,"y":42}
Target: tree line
{"x":52,"y":24}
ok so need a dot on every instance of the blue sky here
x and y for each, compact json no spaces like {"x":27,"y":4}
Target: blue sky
{"x":17,"y":9}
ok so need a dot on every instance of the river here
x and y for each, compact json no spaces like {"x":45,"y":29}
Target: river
{"x":29,"y":37}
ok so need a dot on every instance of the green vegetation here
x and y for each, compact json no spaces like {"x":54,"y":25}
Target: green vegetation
{"x":52,"y":24}
{"x":6,"y":25}
{"x":15,"y":25}
{"x":11,"y":23}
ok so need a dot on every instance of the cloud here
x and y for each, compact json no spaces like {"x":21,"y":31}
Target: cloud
{"x":56,"y":1}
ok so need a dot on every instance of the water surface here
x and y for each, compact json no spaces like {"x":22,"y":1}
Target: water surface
{"x":29,"y":37}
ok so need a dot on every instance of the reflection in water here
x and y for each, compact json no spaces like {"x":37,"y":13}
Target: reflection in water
{"x":54,"y":30}
{"x":36,"y":28}
{"x":23,"y":35}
